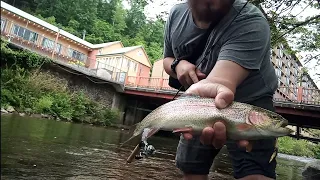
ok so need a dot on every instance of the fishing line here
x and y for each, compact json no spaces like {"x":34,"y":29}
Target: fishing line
{"x":208,"y":52}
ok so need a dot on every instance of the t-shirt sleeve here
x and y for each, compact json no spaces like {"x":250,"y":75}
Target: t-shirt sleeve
{"x":168,"y":52}
{"x":247,"y":44}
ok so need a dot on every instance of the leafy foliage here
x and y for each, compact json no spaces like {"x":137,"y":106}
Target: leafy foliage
{"x":288,"y":145}
{"x":24,"y":86}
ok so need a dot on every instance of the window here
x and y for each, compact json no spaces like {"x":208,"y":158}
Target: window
{"x":287,"y":81}
{"x":279,"y":62}
{"x":26,"y":34}
{"x":48,"y":43}
{"x":3,"y":24}
{"x":76,"y":54}
{"x":288,"y":71}
{"x":278,"y":72}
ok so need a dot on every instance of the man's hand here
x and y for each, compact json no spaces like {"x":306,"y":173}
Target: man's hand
{"x":188,"y":74}
{"x":215,"y":135}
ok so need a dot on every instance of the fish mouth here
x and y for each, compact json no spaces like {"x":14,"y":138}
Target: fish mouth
{"x":283,"y":123}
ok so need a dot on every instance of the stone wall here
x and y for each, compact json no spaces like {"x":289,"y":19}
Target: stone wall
{"x":99,"y":90}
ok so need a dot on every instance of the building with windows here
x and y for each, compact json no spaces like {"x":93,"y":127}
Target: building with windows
{"x":39,"y":36}
{"x":292,"y":77}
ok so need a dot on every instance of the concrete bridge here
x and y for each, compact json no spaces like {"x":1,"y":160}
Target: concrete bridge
{"x":135,"y":97}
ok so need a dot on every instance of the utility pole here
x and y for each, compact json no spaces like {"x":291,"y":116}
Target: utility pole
{"x":84,"y":34}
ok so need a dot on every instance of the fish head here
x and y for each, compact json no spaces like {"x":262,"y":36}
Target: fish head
{"x":268,"y":123}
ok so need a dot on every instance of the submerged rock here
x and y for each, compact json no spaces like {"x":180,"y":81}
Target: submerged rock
{"x":312,"y":170}
{"x":10,"y":109}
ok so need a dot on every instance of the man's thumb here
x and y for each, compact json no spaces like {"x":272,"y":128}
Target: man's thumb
{"x":224,"y":97}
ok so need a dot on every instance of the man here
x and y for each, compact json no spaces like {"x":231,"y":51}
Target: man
{"x":237,"y":67}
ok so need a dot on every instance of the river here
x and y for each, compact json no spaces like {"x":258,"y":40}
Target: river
{"x":47,"y":149}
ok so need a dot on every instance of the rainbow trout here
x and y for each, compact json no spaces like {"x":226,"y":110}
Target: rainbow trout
{"x":242,"y":121}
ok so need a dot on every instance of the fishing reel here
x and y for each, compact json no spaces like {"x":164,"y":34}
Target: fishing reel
{"x":146,"y":150}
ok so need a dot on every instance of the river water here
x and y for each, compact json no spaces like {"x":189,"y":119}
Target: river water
{"x":46,"y":149}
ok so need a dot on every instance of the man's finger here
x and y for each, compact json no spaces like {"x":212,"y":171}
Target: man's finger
{"x":243,"y":143}
{"x":193,"y":76}
{"x":207,"y":136}
{"x":189,"y":81}
{"x":200,"y":74}
{"x":187,"y":136}
{"x":219,"y":135}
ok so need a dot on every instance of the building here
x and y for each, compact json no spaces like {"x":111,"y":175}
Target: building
{"x":158,"y":70}
{"x":109,"y":59}
{"x":292,"y":78}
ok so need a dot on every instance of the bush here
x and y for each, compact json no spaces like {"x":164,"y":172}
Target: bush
{"x":288,"y":145}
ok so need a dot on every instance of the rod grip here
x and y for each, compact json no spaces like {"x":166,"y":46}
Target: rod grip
{"x":133,"y":153}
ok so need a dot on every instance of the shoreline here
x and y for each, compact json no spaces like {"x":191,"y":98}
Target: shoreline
{"x":50,"y":117}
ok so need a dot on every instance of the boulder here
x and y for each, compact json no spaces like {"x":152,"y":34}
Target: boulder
{"x":312,"y":170}
{"x":10,"y":109}
{"x":4,"y":111}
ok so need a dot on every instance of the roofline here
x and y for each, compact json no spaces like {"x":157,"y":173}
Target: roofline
{"x":102,"y":45}
{"x":136,"y":47}
{"x":40,"y":22}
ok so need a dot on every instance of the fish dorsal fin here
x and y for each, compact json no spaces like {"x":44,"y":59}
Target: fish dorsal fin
{"x":189,"y":96}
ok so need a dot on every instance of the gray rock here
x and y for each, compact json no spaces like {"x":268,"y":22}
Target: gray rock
{"x":22,"y":114}
{"x":28,"y":110}
{"x":10,"y":109}
{"x":4,"y":111}
{"x":44,"y":115}
{"x":312,"y":170}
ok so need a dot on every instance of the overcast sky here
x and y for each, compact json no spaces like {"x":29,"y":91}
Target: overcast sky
{"x":156,"y":7}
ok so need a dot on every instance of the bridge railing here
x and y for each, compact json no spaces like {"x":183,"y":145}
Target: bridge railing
{"x":298,"y":95}
{"x":151,"y":83}
{"x":52,"y":48}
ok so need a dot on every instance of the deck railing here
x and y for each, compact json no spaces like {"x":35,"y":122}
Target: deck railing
{"x":61,"y":54}
{"x":298,"y":95}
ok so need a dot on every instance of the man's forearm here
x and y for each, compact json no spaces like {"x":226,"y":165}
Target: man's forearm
{"x":228,"y":73}
{"x":167,"y":66}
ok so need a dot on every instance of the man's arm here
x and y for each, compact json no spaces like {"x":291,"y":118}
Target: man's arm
{"x":243,"y":52}
{"x":229,"y":74}
{"x":167,"y":66}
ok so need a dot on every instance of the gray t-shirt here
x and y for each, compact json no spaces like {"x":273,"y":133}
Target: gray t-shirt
{"x":246,"y":41}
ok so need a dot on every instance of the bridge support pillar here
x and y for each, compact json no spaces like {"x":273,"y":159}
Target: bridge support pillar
{"x":119,"y":103}
{"x":298,"y":132}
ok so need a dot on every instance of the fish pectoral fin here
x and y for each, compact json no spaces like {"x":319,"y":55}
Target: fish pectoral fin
{"x":186,"y":129}
{"x":182,"y":130}
{"x":148,"y":132}
{"x":274,"y":154}
{"x":244,"y":127}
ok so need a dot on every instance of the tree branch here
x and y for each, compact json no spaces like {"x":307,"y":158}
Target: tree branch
{"x":300,"y":24}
